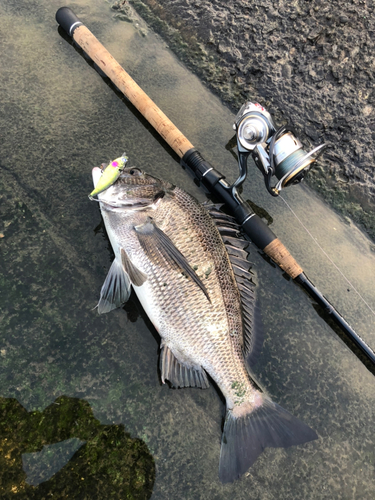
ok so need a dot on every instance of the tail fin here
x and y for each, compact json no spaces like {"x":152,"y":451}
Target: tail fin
{"x":244,"y":438}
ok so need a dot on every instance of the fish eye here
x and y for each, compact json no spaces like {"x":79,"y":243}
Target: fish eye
{"x":135,"y":172}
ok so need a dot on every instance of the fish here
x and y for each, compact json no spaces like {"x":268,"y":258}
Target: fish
{"x":189,"y":268}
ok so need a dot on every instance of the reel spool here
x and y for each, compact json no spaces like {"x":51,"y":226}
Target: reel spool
{"x":276,"y":152}
{"x":289,"y":162}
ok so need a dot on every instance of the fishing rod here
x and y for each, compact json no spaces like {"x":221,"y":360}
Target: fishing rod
{"x":276,"y":153}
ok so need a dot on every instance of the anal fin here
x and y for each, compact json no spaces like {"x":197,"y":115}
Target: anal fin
{"x":178,"y":374}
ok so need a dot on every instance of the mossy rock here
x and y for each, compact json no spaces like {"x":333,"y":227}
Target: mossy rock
{"x":110,"y":464}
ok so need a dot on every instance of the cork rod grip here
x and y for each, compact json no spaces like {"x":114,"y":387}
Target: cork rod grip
{"x":107,"y":63}
{"x":264,"y":238}
{"x":282,"y":257}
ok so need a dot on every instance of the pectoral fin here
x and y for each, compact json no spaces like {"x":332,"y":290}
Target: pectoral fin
{"x":115,"y":290}
{"x":159,"y":247}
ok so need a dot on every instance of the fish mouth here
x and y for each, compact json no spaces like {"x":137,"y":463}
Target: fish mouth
{"x":136,"y":204}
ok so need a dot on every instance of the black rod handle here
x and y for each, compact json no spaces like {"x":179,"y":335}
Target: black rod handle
{"x":252,"y":225}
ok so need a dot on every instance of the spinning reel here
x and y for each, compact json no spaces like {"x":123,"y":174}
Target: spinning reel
{"x":275,"y":152}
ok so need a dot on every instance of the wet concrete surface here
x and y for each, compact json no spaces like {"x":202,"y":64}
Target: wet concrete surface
{"x":58,"y":119}
{"x":310,"y":63}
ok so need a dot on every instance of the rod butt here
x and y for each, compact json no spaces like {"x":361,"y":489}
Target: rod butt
{"x":67,"y":20}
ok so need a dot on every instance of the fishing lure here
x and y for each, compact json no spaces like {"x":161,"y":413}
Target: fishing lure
{"x":110,"y":175}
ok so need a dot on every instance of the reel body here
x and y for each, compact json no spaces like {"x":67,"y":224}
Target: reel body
{"x":276,"y":152}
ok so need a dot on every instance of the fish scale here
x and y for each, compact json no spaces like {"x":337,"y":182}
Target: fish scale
{"x":170,"y":250}
{"x":182,"y":314}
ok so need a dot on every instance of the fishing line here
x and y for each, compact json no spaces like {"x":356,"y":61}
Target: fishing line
{"x":328,"y":257}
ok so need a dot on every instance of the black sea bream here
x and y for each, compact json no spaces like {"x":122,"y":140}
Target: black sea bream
{"x":197,"y":292}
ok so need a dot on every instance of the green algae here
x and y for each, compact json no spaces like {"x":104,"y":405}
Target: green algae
{"x":111,"y":464}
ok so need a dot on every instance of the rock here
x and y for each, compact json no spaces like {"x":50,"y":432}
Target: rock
{"x":313,"y":57}
{"x":286,"y":71}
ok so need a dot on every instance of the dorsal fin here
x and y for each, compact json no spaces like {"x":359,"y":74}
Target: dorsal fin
{"x":253,"y":343}
{"x":236,"y":252}
{"x":210,"y":205}
{"x":253,"y":330}
{"x":236,"y":242}
{"x":219,"y":221}
{"x":236,"y":246}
